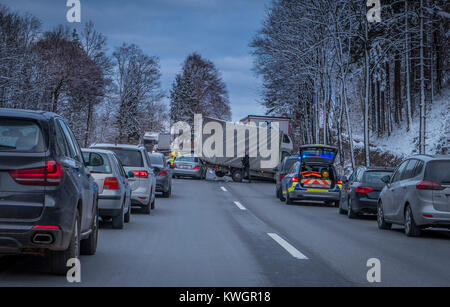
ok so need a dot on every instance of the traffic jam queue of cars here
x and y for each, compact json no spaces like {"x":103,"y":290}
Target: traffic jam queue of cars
{"x":416,"y":194}
{"x":53,"y":193}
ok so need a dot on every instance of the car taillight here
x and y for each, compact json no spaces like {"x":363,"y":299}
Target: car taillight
{"x":140,"y":174}
{"x":111,"y":183}
{"x":428,"y":185}
{"x":295,"y":179}
{"x":363,"y":190}
{"x":197,"y":167}
{"x":51,"y":175}
{"x":163,"y":173}
{"x":339,"y":181}
{"x":282,"y":176}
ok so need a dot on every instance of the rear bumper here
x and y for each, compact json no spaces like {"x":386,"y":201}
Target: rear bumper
{"x":315,"y":194}
{"x":18,"y":239}
{"x":162,"y":184}
{"x":365,"y":205}
{"x":187,"y":172}
{"x":430,"y":217}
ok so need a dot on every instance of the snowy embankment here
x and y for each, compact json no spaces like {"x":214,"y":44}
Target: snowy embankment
{"x":402,"y":143}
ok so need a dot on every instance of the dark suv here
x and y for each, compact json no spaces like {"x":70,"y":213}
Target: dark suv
{"x":48,"y":199}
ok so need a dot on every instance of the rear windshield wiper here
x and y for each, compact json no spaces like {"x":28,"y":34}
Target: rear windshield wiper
{"x":7,"y":146}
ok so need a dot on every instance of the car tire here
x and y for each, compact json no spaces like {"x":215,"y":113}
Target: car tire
{"x":341,"y":210}
{"x":119,"y":221}
{"x":127,"y":217}
{"x":382,"y":224}
{"x":350,"y":213}
{"x":152,"y":206}
{"x":89,"y":245}
{"x":411,"y":229}
{"x":168,"y":193}
{"x":58,"y":259}
{"x":288,"y":199}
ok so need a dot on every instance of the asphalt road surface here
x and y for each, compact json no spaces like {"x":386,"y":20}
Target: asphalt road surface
{"x":220,"y":233}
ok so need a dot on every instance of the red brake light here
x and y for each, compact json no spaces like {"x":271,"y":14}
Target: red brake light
{"x":163,"y":173}
{"x":140,"y":174}
{"x":51,"y":175}
{"x":428,"y":185}
{"x":282,"y":176}
{"x":111,"y":183}
{"x":363,"y":190}
{"x":197,"y":167}
{"x":339,"y":181}
{"x":45,"y":227}
{"x":295,"y":179}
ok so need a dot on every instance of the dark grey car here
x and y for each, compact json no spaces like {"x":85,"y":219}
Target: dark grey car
{"x":163,"y":174}
{"x":361,"y":190}
{"x":189,"y":166}
{"x":286,"y":165}
{"x":48,"y":199}
{"x":417,"y":195}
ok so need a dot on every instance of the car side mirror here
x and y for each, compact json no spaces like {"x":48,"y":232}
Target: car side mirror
{"x":386,"y":179}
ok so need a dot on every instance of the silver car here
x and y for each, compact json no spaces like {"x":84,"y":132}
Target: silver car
{"x":135,"y":159}
{"x":114,"y":199}
{"x":189,"y":166}
{"x":417,"y":195}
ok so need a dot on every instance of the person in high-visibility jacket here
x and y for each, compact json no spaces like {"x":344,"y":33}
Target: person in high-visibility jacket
{"x":174,"y":155}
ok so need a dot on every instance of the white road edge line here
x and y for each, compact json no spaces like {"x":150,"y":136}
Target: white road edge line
{"x":239,"y":205}
{"x":292,"y":250}
{"x":223,"y":189}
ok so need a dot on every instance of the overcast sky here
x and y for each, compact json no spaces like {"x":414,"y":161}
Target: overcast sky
{"x":219,"y":30}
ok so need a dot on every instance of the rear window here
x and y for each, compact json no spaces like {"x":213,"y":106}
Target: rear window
{"x":128,"y":157}
{"x":438,"y":172}
{"x":374,"y":177}
{"x":97,"y":163}
{"x":156,"y":159}
{"x":21,"y":136}
{"x":288,"y":164}
{"x":187,"y":159}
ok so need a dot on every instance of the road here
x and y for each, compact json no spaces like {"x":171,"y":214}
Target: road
{"x":221,"y":233}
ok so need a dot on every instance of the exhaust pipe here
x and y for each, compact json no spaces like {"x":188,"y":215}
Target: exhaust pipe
{"x":43,"y":238}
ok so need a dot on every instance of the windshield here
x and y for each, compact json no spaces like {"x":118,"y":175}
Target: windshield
{"x":438,"y":172}
{"x":375,"y":177}
{"x":21,"y":136}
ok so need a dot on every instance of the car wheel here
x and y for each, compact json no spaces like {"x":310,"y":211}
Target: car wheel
{"x":237,"y":176}
{"x":341,"y":210}
{"x":119,"y":221}
{"x":350,"y":213}
{"x":167,"y":194}
{"x":127,"y":217}
{"x":288,"y":199}
{"x":152,"y":206}
{"x":89,"y":245}
{"x":58,"y":259}
{"x":382,"y":224}
{"x":411,"y":229}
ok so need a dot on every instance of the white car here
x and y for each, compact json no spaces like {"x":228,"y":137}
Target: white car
{"x":114,"y":190}
{"x":135,"y":159}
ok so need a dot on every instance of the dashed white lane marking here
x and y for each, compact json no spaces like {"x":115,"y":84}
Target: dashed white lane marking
{"x":223,"y":189}
{"x":239,"y":205}
{"x":292,"y":250}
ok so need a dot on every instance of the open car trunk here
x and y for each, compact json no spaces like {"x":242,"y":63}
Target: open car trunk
{"x":318,"y":176}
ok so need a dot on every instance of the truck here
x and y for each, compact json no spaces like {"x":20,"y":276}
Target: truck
{"x":157,"y":142}
{"x":246,"y":137}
